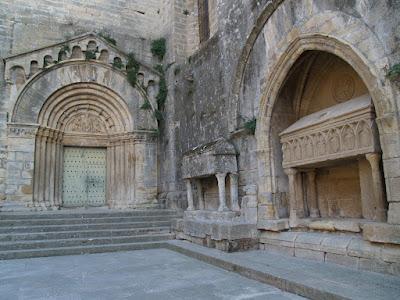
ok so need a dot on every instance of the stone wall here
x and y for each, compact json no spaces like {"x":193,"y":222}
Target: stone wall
{"x":224,"y":83}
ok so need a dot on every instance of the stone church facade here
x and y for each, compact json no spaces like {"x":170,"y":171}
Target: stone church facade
{"x":280,"y":128}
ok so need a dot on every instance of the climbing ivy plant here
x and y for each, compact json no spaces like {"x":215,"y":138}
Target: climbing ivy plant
{"x":132,"y":69}
{"x":108,"y":38}
{"x":159,"y":48}
{"x":393,"y":72}
{"x":250,"y":125}
{"x":163,"y":89}
{"x":90,"y":54}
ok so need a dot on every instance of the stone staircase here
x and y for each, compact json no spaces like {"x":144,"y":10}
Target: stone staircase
{"x":24,"y":235}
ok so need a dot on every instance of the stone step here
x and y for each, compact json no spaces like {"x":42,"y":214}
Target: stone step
{"x":66,"y":214}
{"x":76,"y":242}
{"x":69,"y":221}
{"x":82,"y":234}
{"x":16,"y":254}
{"x":76,"y":227}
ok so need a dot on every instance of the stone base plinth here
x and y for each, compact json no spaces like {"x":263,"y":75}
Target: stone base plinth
{"x":381,"y":233}
{"x":10,"y":206}
{"x":216,"y":216}
{"x":349,"y":249}
{"x":222,"y":230}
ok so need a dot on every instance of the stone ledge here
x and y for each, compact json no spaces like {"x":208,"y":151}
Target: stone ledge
{"x":349,"y":250}
{"x":313,"y":280}
{"x":273,"y":225}
{"x":382,"y":233}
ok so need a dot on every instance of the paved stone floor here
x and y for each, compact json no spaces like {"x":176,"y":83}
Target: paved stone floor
{"x":147,"y":274}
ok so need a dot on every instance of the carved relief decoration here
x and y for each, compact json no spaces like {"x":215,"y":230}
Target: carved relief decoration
{"x":336,"y":141}
{"x":86,"y":123}
{"x":342,"y":87}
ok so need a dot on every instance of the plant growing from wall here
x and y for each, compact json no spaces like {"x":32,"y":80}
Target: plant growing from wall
{"x":163,"y":89}
{"x":118,"y":64}
{"x":146,"y":105}
{"x":108,"y":38}
{"x":132,"y":69}
{"x":250,"y":125}
{"x":393,"y":73}
{"x":177,"y":70}
{"x":63,"y":52}
{"x":158,"y":115}
{"x":159,"y":48}
{"x":90,"y":54}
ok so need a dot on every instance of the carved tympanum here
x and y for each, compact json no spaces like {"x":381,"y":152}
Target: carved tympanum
{"x":86,"y":123}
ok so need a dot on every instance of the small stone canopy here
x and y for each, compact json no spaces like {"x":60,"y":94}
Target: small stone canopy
{"x":208,"y":159}
{"x":341,"y":131}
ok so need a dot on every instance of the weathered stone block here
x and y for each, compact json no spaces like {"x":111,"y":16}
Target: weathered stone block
{"x":279,"y":249}
{"x":394,"y":213}
{"x":360,"y":248}
{"x":310,"y":241}
{"x":336,"y":244}
{"x":391,"y":254}
{"x":348,"y":261}
{"x":286,"y":239}
{"x":273,"y":225}
{"x":309,"y":254}
{"x":382,"y":233}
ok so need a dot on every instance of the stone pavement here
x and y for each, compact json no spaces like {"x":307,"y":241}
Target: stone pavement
{"x":147,"y":274}
{"x":304,"y":277}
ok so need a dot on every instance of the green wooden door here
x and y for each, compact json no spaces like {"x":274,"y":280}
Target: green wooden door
{"x":84,"y":177}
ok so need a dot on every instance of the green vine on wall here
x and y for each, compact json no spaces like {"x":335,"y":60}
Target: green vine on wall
{"x":159,"y":48}
{"x":63,"y":52}
{"x":393,"y":73}
{"x":163,"y":89}
{"x":108,"y":38}
{"x":132,"y":69}
{"x":90,"y":54}
{"x":250,"y":125}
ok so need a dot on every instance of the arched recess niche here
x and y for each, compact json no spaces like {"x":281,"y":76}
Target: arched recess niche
{"x":297,"y":68}
{"x":90,"y":105}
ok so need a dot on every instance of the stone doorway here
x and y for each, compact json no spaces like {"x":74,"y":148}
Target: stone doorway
{"x":84,"y":177}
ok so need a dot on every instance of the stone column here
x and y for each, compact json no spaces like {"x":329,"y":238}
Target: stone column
{"x":380,"y":205}
{"x":221,"y":191}
{"x":291,"y":173}
{"x":200,"y":194}
{"x":312,"y":194}
{"x":234,"y":187}
{"x":189,"y":192}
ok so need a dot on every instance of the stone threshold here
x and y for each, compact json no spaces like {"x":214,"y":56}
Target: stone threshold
{"x":310,"y":279}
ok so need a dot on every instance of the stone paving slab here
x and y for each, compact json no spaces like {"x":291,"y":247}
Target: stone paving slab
{"x":308,"y":278}
{"x":142,"y":274}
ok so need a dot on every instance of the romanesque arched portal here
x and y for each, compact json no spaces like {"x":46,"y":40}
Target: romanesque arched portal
{"x":79,"y":132}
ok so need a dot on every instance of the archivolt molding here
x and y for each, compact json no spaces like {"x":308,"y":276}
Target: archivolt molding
{"x":364,"y":62}
{"x":92,"y":83}
{"x":282,"y":67}
{"x":81,"y":106}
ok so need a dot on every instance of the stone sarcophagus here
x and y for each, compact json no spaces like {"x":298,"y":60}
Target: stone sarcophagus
{"x":209,"y":159}
{"x":218,"y":159}
{"x":342,"y":131}
{"x":334,"y":136}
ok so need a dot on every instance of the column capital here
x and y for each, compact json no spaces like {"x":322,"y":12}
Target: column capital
{"x":290,"y":171}
{"x":373,"y":158}
{"x":221,"y":175}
